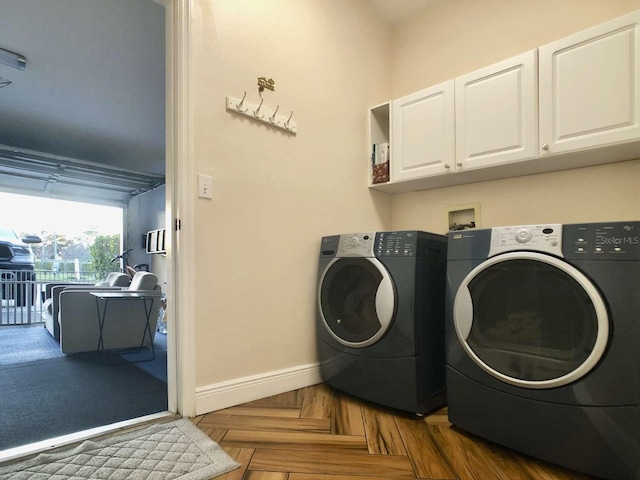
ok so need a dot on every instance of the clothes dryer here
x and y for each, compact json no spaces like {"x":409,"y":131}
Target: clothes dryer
{"x":543,"y":335}
{"x":380,"y":320}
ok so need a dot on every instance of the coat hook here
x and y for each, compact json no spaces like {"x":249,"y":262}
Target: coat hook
{"x":272,"y":118}
{"x":286,"y":124}
{"x":256,"y":112}
{"x":239,"y":106}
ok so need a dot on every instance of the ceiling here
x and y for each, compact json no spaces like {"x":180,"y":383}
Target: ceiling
{"x":86,"y":117}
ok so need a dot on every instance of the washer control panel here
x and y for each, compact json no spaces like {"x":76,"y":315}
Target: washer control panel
{"x":539,"y":238}
{"x":356,"y":245}
{"x":371,"y":244}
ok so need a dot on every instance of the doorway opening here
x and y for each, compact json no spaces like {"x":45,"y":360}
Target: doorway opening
{"x":101,"y":135}
{"x":71,"y":248}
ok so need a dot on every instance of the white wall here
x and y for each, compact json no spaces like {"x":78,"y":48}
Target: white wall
{"x":275,"y":194}
{"x":143,"y":213}
{"x":458,"y":36}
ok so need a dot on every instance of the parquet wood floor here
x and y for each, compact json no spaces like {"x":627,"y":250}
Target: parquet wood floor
{"x":317,"y":433}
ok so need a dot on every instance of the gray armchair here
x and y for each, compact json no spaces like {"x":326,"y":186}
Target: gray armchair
{"x":124,"y":322}
{"x":51,"y":305}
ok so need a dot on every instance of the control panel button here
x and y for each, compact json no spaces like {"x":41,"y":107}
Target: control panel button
{"x":524,"y":235}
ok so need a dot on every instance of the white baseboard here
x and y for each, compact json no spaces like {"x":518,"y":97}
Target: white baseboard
{"x":246,"y":389}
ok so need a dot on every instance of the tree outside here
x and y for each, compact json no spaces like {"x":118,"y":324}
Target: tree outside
{"x":102,"y":251}
{"x":88,"y":256}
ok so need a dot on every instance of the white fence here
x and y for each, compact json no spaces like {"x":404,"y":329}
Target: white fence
{"x":22,"y":294}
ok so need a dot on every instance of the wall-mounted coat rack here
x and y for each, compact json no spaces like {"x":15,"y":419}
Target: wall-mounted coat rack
{"x":262,"y":113}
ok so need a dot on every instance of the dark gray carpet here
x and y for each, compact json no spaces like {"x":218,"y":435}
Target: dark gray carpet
{"x":57,"y":396}
{"x":157,"y":367}
{"x":23,"y":344}
{"x":45,"y":394}
{"x":20,"y":344}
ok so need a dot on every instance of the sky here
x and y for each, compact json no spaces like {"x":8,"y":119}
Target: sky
{"x":32,"y":215}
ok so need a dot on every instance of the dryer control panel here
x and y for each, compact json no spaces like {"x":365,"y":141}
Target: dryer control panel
{"x":539,"y":238}
{"x":396,"y":244}
{"x":603,"y":241}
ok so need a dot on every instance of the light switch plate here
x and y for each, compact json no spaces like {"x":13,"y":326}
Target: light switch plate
{"x":204,"y":186}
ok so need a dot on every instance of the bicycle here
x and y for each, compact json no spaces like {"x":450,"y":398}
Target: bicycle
{"x":124,"y":264}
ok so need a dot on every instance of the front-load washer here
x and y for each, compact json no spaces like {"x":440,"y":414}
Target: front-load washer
{"x":380,"y":321}
{"x":543,"y":342}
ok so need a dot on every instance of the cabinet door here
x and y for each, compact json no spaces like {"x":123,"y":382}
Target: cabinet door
{"x":423,"y":133}
{"x":589,"y":87}
{"x":497,"y":113}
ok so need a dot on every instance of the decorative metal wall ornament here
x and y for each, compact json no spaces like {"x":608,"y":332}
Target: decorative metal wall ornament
{"x":269,"y":84}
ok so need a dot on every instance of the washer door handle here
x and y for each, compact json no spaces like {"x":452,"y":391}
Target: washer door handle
{"x":463,"y":312}
{"x":385,"y":302}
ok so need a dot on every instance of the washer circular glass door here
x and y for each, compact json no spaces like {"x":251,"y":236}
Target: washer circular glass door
{"x":356,"y":300}
{"x":531,"y":320}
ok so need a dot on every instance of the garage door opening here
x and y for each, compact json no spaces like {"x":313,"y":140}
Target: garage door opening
{"x":47,"y":244}
{"x":48,"y":240}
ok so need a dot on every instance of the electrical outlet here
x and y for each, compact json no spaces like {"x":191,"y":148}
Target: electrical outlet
{"x":204,"y":186}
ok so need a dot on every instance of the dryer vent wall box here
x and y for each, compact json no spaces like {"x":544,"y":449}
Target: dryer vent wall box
{"x":461,"y":217}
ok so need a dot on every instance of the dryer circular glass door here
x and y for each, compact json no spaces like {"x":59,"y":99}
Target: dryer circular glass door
{"x":357,"y":300}
{"x":531,"y":320}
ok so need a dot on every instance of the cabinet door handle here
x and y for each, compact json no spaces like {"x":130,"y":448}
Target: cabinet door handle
{"x":545,"y":146}
{"x":459,"y":164}
{"x":446,"y":165}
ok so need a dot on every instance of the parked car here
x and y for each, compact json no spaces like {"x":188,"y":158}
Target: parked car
{"x":17,"y":266}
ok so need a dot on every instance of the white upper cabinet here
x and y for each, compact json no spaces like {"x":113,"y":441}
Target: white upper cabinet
{"x":589,"y":88}
{"x":571,"y":103}
{"x":497,"y":113}
{"x":423,"y":136}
